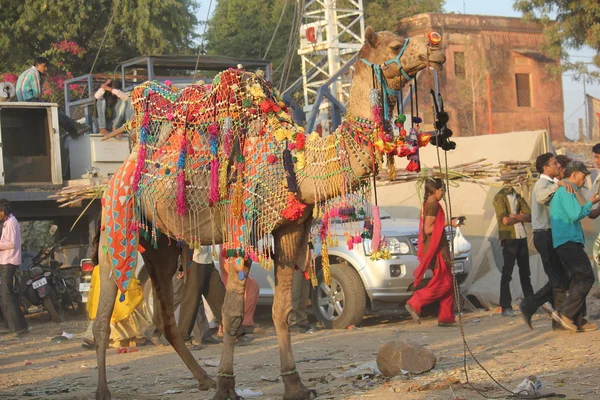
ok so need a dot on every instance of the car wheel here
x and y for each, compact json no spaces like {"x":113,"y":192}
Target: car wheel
{"x":343,"y":303}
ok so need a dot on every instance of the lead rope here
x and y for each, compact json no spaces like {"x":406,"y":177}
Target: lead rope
{"x":457,"y":300}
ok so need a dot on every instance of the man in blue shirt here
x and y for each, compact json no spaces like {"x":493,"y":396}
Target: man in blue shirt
{"x":30,"y":87}
{"x":566,"y":213}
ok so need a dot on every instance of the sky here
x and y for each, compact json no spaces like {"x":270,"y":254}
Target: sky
{"x":573,"y":92}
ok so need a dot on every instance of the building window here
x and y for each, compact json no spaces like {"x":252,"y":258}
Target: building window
{"x":523,"y":90}
{"x":459,"y":64}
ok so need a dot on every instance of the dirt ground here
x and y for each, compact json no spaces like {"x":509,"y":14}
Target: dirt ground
{"x":42,"y":366}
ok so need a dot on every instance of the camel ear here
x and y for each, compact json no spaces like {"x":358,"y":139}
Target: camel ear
{"x":371,"y":36}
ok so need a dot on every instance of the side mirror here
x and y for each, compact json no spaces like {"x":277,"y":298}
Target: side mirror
{"x":53,"y":229}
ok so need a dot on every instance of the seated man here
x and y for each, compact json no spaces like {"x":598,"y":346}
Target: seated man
{"x":111,"y":105}
{"x":30,"y":88}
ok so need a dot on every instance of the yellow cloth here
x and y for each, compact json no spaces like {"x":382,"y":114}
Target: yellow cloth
{"x":133,"y":298}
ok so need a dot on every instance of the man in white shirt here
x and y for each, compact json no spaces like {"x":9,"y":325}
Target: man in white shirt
{"x":555,"y":291}
{"x":111,"y":106}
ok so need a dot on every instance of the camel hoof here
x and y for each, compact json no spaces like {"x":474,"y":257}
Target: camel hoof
{"x":227,"y":394}
{"x":104,"y":395}
{"x":207,"y":384}
{"x":303,"y":393}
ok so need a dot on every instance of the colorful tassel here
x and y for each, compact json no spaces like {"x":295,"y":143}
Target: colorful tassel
{"x":376,"y":241}
{"x":181,"y":200}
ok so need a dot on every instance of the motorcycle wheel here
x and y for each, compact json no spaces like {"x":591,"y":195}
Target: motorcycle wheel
{"x":57,"y":316}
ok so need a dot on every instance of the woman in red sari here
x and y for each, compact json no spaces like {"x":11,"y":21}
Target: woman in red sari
{"x":434,"y":254}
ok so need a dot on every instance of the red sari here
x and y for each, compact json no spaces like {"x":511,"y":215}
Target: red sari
{"x":440,"y":287}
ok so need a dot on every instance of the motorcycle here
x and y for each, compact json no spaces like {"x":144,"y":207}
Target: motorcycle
{"x":49,"y":286}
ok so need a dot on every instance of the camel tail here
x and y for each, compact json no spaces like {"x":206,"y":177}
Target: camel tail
{"x":96,"y":240}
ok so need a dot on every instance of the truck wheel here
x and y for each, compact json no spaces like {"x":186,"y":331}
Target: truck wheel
{"x":54,"y":315}
{"x":343,"y":303}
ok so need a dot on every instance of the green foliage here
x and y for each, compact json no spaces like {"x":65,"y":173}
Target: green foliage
{"x":244,"y":29}
{"x":385,"y":14}
{"x":577,"y":24}
{"x":32,"y":27}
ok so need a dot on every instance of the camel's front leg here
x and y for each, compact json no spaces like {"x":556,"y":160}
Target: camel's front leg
{"x":233,"y":315}
{"x":162,"y":264}
{"x":106,"y":303}
{"x":290,"y":245}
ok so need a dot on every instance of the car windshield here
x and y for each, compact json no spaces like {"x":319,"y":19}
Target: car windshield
{"x":357,"y":216}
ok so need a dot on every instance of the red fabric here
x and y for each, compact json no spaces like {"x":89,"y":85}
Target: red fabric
{"x":434,"y":243}
{"x":440,"y":288}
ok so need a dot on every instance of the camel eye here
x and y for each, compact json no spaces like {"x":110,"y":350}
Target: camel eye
{"x":396,"y":48}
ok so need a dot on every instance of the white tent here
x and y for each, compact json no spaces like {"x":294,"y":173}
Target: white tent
{"x":475,"y":202}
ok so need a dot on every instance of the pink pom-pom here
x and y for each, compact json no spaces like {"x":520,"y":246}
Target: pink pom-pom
{"x":170,"y":116}
{"x":168,"y":82}
{"x":213,"y":129}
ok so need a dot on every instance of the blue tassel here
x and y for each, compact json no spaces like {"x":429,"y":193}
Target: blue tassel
{"x":241,"y":275}
{"x":122,"y":297}
{"x":181,"y":243}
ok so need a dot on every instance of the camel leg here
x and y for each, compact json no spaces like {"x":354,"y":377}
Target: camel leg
{"x":101,"y":328}
{"x":162,"y":264}
{"x":290,"y":250}
{"x":233,"y":316}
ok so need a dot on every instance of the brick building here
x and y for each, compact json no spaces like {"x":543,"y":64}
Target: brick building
{"x":495,"y":78}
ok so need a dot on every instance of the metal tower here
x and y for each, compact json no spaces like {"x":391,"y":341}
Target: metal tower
{"x":331,"y":35}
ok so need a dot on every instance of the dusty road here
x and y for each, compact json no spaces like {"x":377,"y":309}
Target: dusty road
{"x":39,"y":366}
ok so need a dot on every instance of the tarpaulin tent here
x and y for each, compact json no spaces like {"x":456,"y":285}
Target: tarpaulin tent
{"x":475,"y":202}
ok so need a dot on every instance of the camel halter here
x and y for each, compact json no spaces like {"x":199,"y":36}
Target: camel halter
{"x":378,"y":74}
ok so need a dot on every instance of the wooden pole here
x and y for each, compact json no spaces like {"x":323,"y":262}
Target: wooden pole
{"x":114,"y":133}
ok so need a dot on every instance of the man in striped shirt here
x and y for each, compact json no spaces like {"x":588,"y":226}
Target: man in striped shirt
{"x":30,"y":88}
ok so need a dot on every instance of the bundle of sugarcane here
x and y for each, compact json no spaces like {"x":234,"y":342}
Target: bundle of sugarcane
{"x":74,"y":195}
{"x":473,"y":171}
{"x":517,"y":172}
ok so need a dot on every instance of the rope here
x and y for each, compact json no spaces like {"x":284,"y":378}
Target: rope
{"x":448,"y":204}
{"x":105,"y":35}
{"x":276,"y":29}
{"x":201,"y":47}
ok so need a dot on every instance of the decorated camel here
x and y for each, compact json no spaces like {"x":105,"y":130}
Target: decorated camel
{"x":225,"y":164}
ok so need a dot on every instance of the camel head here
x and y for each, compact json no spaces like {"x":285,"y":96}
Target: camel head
{"x":383,"y":48}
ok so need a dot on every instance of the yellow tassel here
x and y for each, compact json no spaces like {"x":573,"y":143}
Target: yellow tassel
{"x":223,"y":180}
{"x":236,"y":201}
{"x":391,"y":167}
{"x":325,"y":263}
{"x":300,"y":159}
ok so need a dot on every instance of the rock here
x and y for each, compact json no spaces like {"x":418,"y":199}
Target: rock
{"x":395,"y":356}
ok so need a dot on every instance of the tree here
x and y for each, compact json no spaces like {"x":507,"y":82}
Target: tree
{"x":31,"y":27}
{"x":245,"y":28}
{"x":471,"y":69}
{"x":385,"y":14}
{"x":577,"y":24}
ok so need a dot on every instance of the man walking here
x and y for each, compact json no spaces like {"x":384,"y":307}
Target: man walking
{"x":512,"y":211}
{"x":203,"y":279}
{"x":554,"y":291}
{"x":10,"y":259}
{"x":567,"y":237}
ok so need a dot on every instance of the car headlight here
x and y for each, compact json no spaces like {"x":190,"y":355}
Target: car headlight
{"x":396,"y":246}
